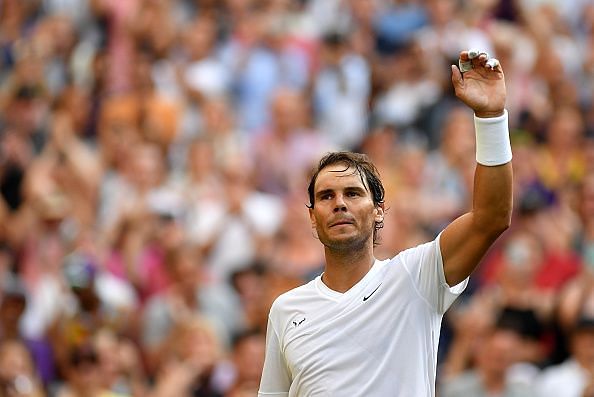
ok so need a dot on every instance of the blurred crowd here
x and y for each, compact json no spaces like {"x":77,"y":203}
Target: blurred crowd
{"x":154,"y":158}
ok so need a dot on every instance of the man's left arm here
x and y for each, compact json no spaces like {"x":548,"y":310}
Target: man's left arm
{"x":465,"y":241}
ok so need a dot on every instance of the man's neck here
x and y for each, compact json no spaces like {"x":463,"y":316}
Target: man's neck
{"x":346,"y":268}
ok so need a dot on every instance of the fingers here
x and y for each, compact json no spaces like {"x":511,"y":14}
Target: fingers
{"x":464,"y":62}
{"x":492,"y":63}
{"x":457,"y":80}
{"x":476,"y":59}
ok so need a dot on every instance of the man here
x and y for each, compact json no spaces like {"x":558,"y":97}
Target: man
{"x":371,"y":328}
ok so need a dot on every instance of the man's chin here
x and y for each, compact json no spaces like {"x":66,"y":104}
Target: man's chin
{"x":344,"y":242}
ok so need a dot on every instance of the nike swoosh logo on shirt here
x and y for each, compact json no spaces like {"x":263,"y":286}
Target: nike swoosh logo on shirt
{"x":373,"y":292}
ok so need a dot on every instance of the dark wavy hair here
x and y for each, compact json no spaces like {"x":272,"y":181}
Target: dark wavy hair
{"x":364,"y":167}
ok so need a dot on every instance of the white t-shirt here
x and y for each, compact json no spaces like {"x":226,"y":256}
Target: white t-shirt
{"x":567,"y":379}
{"x":377,"y":339}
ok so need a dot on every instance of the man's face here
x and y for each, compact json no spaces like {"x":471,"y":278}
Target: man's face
{"x":343,"y":214}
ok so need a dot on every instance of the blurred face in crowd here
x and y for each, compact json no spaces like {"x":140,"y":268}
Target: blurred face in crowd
{"x":119,"y":129}
{"x":200,"y":38}
{"x":76,"y":102}
{"x":248,"y":357}
{"x":83,"y":374}
{"x":107,"y":351}
{"x":12,"y":308}
{"x":201,"y":159}
{"x":458,"y":136}
{"x":217,"y":115}
{"x":185,"y":268}
{"x":498,"y":352}
{"x":288,"y":111}
{"x":441,"y":11}
{"x":522,"y":256}
{"x":15,"y":361}
{"x":565,"y":129}
{"x":199,"y":344}
{"x":344,"y":213}
{"x":364,"y":11}
{"x":146,"y":166}
{"x":238,"y":178}
{"x":334,"y":48}
{"x":381,"y":144}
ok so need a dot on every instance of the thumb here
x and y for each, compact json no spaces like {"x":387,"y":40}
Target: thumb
{"x":457,"y":79}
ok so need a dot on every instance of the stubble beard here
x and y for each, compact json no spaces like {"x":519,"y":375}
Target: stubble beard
{"x":347,"y":245}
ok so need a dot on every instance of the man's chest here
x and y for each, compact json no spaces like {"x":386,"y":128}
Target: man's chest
{"x":331,"y":336}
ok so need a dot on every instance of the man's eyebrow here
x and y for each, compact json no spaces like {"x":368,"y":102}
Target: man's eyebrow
{"x":348,"y":188}
{"x":356,"y":188}
{"x":323,"y":192}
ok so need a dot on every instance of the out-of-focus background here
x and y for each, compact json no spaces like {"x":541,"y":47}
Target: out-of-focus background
{"x":154,"y":157}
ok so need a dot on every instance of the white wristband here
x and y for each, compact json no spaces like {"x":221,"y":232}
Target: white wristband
{"x":492,"y":140}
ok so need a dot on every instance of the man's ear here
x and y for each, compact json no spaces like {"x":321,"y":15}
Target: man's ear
{"x":312,"y":218}
{"x":314,"y":229}
{"x":379,"y":212}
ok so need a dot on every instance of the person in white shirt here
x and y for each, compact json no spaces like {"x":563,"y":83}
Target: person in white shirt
{"x":367,"y":327}
{"x":575,"y":376}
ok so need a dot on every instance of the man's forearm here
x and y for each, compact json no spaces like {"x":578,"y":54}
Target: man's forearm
{"x":492,"y":198}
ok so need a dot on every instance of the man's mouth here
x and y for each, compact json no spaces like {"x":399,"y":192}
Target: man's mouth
{"x":341,"y":222}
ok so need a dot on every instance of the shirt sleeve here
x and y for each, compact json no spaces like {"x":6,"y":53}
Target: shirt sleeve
{"x":425,"y":266}
{"x":276,"y":380}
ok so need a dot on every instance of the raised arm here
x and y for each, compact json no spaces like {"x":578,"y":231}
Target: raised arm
{"x":465,"y":240}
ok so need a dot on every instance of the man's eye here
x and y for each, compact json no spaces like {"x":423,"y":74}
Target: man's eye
{"x":352,"y":194}
{"x":326,"y":197}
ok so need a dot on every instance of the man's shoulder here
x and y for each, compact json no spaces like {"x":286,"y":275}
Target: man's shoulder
{"x":567,"y":369}
{"x":419,"y":249}
{"x":299,"y":299}
{"x":296,"y":295}
{"x":560,"y":378}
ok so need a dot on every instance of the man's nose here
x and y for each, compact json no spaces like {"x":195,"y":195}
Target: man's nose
{"x":339,"y":204}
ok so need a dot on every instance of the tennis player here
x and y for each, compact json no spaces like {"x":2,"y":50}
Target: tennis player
{"x":367,"y":327}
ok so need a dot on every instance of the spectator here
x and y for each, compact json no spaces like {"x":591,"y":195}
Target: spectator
{"x":188,"y":369}
{"x":574,"y":377}
{"x":248,"y":360}
{"x":287,"y":146}
{"x":121,"y":370}
{"x":494,"y":358}
{"x":341,"y":92}
{"x":188,"y":294}
{"x":17,"y":372}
